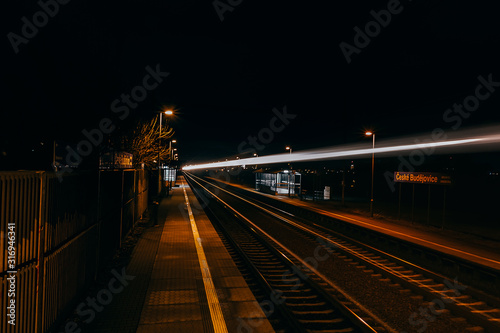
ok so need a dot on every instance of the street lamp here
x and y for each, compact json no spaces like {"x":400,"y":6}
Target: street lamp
{"x":171,"y":158}
{"x":369,"y":133}
{"x":167,"y":113}
{"x":290,"y":149}
{"x":170,"y":148}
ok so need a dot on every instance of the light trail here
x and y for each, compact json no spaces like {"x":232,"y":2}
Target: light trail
{"x":474,"y":140}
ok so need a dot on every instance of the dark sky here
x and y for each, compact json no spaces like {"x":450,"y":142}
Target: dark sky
{"x":227,"y":76}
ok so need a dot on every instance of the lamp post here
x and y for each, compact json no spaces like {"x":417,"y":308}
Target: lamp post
{"x":169,"y":164}
{"x":170,"y":148}
{"x":167,"y":113}
{"x":369,"y":133}
{"x":290,"y":149}
{"x":289,"y":174}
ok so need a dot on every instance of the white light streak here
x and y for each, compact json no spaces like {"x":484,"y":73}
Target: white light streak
{"x":472,"y":140}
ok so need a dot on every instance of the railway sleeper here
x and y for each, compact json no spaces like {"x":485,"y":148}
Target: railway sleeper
{"x":271,"y":272}
{"x":438,"y":287}
{"x":295,"y":291}
{"x":258,"y":256}
{"x":271,"y":263}
{"x":463,"y":299}
{"x":309,"y":312}
{"x":413,"y":277}
{"x":407,"y":272}
{"x":309,"y":305}
{"x":491,"y":312}
{"x":476,"y":305}
{"x":290,"y":278}
{"x":304,"y":298}
{"x":279,"y":267}
{"x":281,"y":285}
{"x":323,"y":321}
{"x":425,"y":281}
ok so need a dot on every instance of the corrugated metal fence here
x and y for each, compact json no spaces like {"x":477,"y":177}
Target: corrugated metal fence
{"x":64,"y":229}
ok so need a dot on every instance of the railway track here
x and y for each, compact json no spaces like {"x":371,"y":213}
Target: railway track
{"x":441,"y":293}
{"x":293,"y":299}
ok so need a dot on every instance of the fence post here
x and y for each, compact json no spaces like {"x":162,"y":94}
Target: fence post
{"x":40,"y":254}
{"x":134,"y":208}
{"x":121,"y":211}
{"x":98,"y":215}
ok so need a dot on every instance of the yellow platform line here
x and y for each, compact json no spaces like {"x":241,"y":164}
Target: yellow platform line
{"x":213,"y":301}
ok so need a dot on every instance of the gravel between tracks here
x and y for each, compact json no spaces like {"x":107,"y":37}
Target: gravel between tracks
{"x":402,"y":311}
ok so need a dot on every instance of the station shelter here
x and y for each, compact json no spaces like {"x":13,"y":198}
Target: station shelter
{"x":169,"y":174}
{"x":286,"y":182}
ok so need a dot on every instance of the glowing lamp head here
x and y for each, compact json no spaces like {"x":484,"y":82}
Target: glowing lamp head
{"x":368,"y":133}
{"x":169,"y":112}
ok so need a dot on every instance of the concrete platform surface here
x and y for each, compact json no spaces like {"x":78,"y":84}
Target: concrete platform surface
{"x":184,"y":280}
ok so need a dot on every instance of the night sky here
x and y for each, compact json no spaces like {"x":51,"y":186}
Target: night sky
{"x":227,"y":76}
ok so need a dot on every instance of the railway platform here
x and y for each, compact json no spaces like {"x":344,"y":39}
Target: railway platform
{"x":466,"y":246}
{"x":192,"y":285}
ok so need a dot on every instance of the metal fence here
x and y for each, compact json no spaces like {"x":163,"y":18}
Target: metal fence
{"x":62,"y":235}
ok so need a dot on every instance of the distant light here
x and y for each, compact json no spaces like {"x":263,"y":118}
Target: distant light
{"x":174,"y":141}
{"x":169,"y":112}
{"x":368,"y":133}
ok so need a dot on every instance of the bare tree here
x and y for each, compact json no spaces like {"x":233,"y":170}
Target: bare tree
{"x":147,"y":145}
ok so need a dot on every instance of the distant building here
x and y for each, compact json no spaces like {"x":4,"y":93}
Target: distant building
{"x":115,"y":160}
